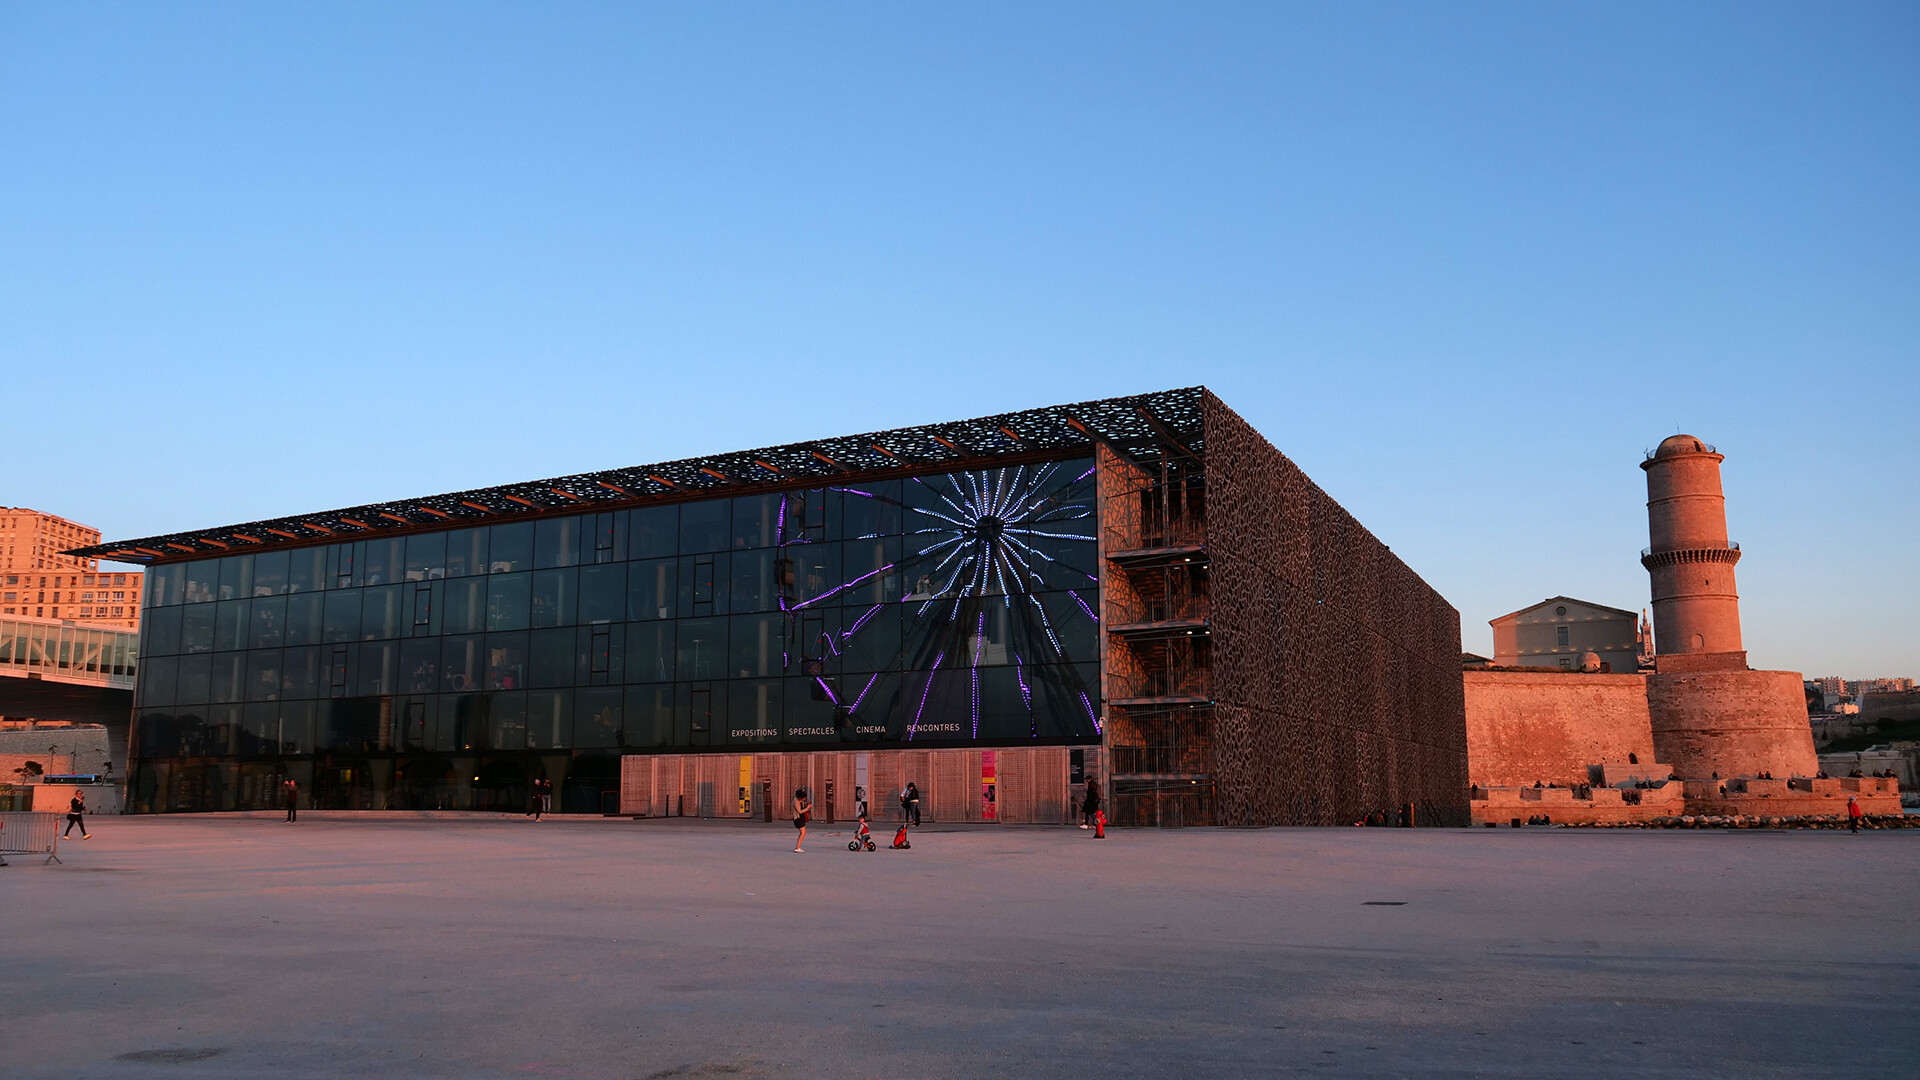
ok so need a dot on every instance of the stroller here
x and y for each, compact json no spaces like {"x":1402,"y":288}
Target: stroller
{"x":900,"y":842}
{"x":863,"y":838}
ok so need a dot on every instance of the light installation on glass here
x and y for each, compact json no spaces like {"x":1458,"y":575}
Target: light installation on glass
{"x":981,"y":548}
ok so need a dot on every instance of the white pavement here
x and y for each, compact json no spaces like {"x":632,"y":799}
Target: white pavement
{"x":610,"y":948}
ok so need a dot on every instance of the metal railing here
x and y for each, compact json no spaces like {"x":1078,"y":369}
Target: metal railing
{"x":29,"y":834}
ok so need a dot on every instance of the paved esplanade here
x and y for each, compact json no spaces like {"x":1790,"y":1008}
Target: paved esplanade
{"x":505,"y":948}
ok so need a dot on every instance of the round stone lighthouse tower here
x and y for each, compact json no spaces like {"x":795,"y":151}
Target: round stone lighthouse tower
{"x":1713,"y":719}
{"x":1696,"y":607}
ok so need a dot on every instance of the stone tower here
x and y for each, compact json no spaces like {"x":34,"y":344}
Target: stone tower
{"x":1713,"y":719}
{"x":1696,"y":606}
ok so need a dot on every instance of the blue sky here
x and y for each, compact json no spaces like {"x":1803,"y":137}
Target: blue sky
{"x":1464,"y":263}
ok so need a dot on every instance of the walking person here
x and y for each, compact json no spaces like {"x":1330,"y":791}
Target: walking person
{"x":546,"y":796}
{"x":802,"y":813}
{"x":290,"y":794}
{"x":533,"y":800}
{"x":76,"y":815}
{"x":1854,"y":814}
{"x":910,"y":798}
{"x":1090,"y":805}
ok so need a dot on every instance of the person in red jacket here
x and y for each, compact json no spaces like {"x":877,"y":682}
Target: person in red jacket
{"x":1854,"y":814}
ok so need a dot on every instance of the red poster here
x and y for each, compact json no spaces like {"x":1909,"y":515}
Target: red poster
{"x":988,"y":811}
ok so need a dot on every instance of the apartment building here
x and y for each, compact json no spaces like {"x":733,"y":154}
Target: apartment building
{"x":38,"y":580}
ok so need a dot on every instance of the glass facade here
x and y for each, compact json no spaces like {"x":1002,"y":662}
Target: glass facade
{"x":444,"y":670}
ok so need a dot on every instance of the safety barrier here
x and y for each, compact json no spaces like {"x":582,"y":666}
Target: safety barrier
{"x":29,"y":834}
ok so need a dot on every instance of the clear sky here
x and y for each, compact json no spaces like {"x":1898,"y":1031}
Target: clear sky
{"x":1463,"y":262}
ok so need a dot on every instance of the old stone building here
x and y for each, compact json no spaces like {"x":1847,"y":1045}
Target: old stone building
{"x":1702,"y":732}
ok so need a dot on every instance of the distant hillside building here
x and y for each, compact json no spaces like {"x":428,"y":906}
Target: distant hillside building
{"x":1557,"y":632}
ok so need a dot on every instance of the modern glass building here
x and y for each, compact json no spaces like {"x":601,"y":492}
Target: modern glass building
{"x":930,"y":602}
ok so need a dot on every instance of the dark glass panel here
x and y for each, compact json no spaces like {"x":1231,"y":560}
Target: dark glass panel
{"x":465,"y":607}
{"x":508,"y":730}
{"x":306,"y":570}
{"x":466,"y":552}
{"x":596,"y":717}
{"x":549,"y":719}
{"x":758,"y":644}
{"x":1004,"y":713}
{"x":755,"y":587}
{"x":552,"y":660}
{"x":871,"y":510}
{"x":553,"y":597}
{"x":229,"y":674}
{"x":511,"y":548}
{"x":236,"y":577}
{"x":556,"y":542}
{"x":649,"y":720}
{"x":654,"y":532}
{"x":507,"y":597}
{"x":605,"y":540}
{"x":269,"y":573}
{"x":259,"y":735}
{"x":872,"y":700}
{"x":223,"y":733}
{"x":755,"y":713}
{"x":419,"y":666}
{"x":701,"y":651}
{"x":296,"y":726}
{"x":599,"y":655}
{"x":269,"y":623}
{"x":343,"y":616}
{"x":165,"y":586}
{"x":870,"y":638}
{"x":300,"y":673}
{"x":466,"y":717}
{"x":304,"y":620}
{"x":706,"y":713}
{"x":872,"y":571}
{"x":350,"y":725}
{"x":377,"y":669}
{"x":703,"y":585}
{"x":158,"y":677}
{"x":340,"y":565}
{"x":426,"y":557}
{"x":812,"y":714}
{"x":507,"y":661}
{"x":603,"y":593}
{"x":203,"y":581}
{"x":338,"y":671}
{"x":230,"y":625}
{"x":462,"y":663}
{"x":1073,"y":625}
{"x":160,"y":632}
{"x":650,"y":648}
{"x":652,"y":588}
{"x":263,"y":675}
{"x":814,"y":570}
{"x":706,"y":525}
{"x":380,"y":612}
{"x":385,"y":561}
{"x":416,"y":730}
{"x":756,"y":521}
{"x":196,"y":629}
{"x":422,"y":609}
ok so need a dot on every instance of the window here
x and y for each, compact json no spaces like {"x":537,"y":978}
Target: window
{"x":1566,"y":662}
{"x":1565,"y":634}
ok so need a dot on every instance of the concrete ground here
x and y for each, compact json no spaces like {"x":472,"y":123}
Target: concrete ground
{"x":223,"y":946}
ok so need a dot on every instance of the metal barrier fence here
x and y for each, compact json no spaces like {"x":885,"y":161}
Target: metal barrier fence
{"x":29,"y":834}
